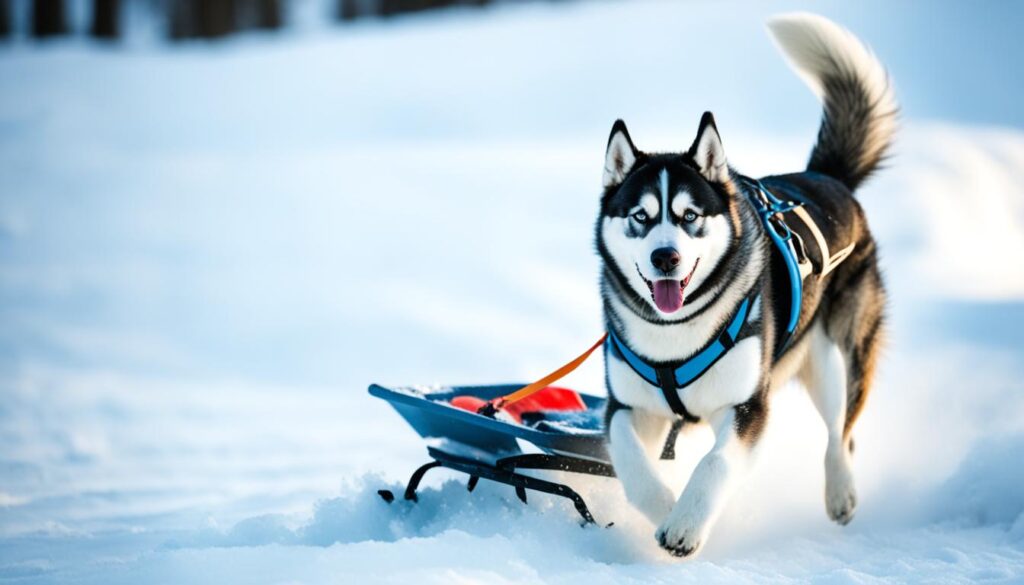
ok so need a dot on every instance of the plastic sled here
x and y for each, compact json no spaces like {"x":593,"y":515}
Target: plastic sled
{"x":493,"y":448}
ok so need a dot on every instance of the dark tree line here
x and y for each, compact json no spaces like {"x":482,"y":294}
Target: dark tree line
{"x":106,"y":19}
{"x":204,"y":19}
{"x":49,"y":18}
{"x":5,"y":18}
{"x":352,"y":9}
{"x":210,"y":19}
{"x":185,"y":18}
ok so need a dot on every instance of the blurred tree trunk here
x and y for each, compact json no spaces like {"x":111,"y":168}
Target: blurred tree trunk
{"x":207,"y":19}
{"x":393,"y":7}
{"x":182,"y":23}
{"x":216,"y":18}
{"x":48,"y":18}
{"x":106,"y":19}
{"x":5,"y":19}
{"x":353,"y":9}
{"x":269,"y":14}
{"x":261,"y":14}
{"x":348,"y":9}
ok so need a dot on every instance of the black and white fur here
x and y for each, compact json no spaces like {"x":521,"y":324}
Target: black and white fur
{"x":693,"y":204}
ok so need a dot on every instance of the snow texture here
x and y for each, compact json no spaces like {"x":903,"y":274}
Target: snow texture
{"x":208,"y":252}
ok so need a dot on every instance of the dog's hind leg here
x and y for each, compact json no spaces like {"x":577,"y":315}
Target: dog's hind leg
{"x":857,"y":323}
{"x":862,"y":359}
{"x":634,"y":442}
{"x":825,"y":375}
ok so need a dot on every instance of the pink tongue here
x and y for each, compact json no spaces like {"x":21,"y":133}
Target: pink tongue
{"x":668,"y":295}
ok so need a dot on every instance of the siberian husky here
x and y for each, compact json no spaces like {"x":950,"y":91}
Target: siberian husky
{"x":691,"y":281}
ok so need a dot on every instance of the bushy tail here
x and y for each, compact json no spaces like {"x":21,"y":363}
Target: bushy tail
{"x":859,"y":117}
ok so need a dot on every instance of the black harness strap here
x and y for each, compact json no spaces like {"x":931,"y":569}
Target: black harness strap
{"x":668,"y":451}
{"x":667,"y":383}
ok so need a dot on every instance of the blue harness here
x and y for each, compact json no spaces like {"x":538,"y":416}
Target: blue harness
{"x":674,"y":376}
{"x":671,"y":377}
{"x":791,"y":249}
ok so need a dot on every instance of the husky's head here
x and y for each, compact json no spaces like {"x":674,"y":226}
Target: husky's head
{"x":667,"y":220}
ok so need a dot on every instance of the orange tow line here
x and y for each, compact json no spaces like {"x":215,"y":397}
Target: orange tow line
{"x":496,"y":404}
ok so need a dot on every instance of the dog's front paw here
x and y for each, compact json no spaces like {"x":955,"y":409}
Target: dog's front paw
{"x":840,"y":502}
{"x":840,"y":494}
{"x":681,"y":537}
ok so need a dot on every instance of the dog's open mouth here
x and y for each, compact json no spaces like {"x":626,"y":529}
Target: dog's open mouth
{"x":668,"y":293}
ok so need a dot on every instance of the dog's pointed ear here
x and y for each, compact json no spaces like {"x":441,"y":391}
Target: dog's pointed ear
{"x":707,"y":151}
{"x":620,"y":156}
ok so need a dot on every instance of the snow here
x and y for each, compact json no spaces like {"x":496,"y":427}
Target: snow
{"x":208,"y":252}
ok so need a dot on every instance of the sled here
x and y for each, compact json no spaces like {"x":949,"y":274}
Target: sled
{"x":497,"y":449}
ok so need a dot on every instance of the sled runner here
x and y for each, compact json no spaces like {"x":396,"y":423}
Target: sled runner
{"x":567,"y":437}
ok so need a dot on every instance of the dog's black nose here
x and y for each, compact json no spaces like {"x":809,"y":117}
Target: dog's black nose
{"x":665,"y":259}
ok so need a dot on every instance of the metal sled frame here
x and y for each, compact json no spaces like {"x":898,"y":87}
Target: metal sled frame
{"x":504,"y":471}
{"x":500,"y":457}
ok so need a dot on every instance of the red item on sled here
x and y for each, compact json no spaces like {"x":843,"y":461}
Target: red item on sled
{"x":550,"y":398}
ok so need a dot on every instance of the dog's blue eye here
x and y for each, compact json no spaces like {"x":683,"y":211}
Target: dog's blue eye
{"x":690,"y":216}
{"x":640,"y":216}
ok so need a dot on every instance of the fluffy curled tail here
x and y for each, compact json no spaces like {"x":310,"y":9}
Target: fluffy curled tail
{"x":859,"y":118}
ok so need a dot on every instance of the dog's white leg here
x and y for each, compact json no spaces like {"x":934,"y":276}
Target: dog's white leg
{"x":824,"y":374}
{"x":632,"y":436}
{"x":713,"y":481}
